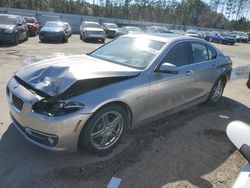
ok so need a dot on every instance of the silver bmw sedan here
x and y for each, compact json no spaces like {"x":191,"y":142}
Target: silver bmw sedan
{"x":90,"y":101}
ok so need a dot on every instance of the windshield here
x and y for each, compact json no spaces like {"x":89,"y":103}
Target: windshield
{"x":133,"y":52}
{"x":136,"y":29}
{"x":30,"y":20}
{"x":6,"y":20}
{"x":93,"y":25}
{"x":53,"y":24}
{"x":111,"y":26}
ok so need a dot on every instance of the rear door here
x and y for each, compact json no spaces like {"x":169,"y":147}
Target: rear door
{"x":204,"y":65}
{"x":168,"y":91}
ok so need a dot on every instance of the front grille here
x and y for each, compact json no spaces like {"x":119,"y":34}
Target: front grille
{"x":96,"y":32}
{"x":17,"y":102}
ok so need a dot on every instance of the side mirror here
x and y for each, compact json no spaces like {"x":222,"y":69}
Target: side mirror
{"x":239,"y":134}
{"x":167,"y":68}
{"x":19,"y":24}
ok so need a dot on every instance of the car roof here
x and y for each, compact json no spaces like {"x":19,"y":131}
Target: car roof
{"x":54,"y":22}
{"x":10,"y":15}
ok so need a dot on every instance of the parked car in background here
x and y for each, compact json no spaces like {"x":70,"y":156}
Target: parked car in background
{"x":13,"y":29}
{"x":203,"y":34}
{"x":248,"y":34}
{"x":241,"y":37}
{"x":180,"y":32}
{"x":222,"y":38}
{"x":91,"y":30}
{"x":192,"y":33}
{"x":129,"y":30}
{"x":54,"y":31}
{"x":110,"y":29}
{"x":68,"y":27}
{"x":157,"y":29}
{"x":33,"y":25}
{"x":91,"y":100}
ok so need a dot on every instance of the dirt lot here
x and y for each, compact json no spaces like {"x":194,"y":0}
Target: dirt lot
{"x":187,"y":149}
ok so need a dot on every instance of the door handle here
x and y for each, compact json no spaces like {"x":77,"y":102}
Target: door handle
{"x":190,"y":72}
{"x":214,"y":65}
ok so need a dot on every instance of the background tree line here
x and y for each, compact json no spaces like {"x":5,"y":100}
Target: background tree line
{"x":223,"y":14}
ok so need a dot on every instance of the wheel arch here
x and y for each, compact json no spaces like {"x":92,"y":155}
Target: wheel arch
{"x":122,"y":104}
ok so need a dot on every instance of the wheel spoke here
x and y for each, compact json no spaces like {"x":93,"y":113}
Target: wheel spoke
{"x":97,"y":134}
{"x":104,"y":140}
{"x":113,"y":124}
{"x":105,"y":120}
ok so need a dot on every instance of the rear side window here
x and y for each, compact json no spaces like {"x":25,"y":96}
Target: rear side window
{"x":178,"y":55}
{"x":212,"y":54}
{"x":199,"y":52}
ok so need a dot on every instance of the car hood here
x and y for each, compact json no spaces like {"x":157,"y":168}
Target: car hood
{"x":51,"y":29}
{"x":93,"y":29}
{"x":6,"y":26}
{"x":55,"y":76}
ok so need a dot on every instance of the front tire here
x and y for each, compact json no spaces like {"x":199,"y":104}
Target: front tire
{"x":104,"y":130}
{"x":216,"y":92}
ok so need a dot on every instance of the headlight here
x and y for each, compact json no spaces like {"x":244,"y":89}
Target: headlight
{"x":56,"y":108}
{"x":8,"y":31}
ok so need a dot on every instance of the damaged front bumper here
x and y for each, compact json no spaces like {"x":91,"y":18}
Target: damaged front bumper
{"x":52,"y":133}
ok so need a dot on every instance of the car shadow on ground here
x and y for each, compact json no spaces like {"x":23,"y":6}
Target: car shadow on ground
{"x":183,"y":146}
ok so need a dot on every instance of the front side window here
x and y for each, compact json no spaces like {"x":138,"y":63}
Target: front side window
{"x":199,"y":52}
{"x":178,"y":55}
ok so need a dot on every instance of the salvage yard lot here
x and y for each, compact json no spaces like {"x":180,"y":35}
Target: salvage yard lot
{"x":187,"y":149}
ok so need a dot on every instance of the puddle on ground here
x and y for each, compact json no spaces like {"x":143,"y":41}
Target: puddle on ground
{"x":240,"y":72}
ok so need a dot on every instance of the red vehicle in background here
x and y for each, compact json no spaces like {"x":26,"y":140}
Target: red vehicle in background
{"x":33,"y":25}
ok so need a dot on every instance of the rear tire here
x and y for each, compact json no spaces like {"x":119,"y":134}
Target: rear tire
{"x":103,"y":40}
{"x":216,"y":92}
{"x":104,"y":130}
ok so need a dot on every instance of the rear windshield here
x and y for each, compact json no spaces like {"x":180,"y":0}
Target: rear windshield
{"x":7,"y":20}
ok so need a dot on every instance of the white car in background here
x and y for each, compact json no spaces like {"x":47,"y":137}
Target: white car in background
{"x":192,"y":33}
{"x":91,"y":30}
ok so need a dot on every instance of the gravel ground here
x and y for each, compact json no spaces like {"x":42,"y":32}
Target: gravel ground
{"x":187,"y":149}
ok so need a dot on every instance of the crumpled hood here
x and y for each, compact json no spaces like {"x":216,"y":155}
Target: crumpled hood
{"x":54,"y":76}
{"x":51,"y":29}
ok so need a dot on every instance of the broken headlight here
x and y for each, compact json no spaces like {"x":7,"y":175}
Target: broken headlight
{"x":56,"y":108}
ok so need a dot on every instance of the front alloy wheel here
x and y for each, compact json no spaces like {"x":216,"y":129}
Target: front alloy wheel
{"x":104,"y":130}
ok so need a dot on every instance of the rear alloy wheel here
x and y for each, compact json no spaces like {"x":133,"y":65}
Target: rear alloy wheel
{"x":104,"y":130}
{"x":216,"y":92}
